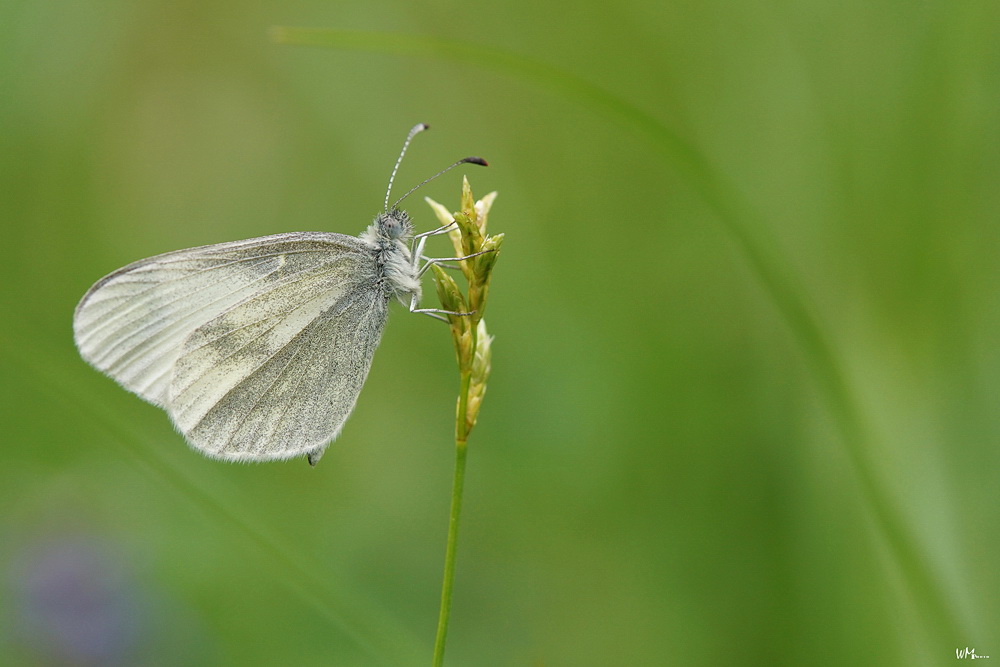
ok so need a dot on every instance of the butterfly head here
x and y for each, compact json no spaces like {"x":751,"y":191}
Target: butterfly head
{"x":394,"y":225}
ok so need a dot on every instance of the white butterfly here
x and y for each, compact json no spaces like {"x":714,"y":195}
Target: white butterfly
{"x":257,"y":349}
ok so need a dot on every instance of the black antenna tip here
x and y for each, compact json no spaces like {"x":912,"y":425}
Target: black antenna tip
{"x":423,"y":126}
{"x":476,"y":160}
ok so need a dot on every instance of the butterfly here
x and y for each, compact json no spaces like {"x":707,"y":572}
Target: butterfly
{"x":258,"y":349}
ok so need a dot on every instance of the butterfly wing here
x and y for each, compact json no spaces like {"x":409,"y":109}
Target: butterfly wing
{"x":257,"y":349}
{"x":277,"y":376}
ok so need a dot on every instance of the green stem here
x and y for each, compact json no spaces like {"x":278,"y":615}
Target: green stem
{"x":461,"y":434}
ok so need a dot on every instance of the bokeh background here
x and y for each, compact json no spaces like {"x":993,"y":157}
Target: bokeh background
{"x":744,"y":405}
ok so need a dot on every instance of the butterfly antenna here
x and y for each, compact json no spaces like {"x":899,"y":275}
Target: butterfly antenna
{"x":417,"y":129}
{"x":465,"y":160}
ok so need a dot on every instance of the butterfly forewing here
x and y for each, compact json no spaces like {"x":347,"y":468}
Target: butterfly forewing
{"x":222,"y":337}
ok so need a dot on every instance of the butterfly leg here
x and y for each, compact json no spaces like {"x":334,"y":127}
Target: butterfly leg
{"x":436,"y":313}
{"x":443,"y":229}
{"x":439,"y":260}
{"x":452,"y":267}
{"x":418,"y":240}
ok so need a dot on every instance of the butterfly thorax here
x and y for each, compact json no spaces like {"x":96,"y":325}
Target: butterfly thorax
{"x":388,"y":236}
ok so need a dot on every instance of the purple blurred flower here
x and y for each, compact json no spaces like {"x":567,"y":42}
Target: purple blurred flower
{"x":74,"y":602}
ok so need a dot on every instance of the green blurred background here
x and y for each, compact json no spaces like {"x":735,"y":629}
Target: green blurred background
{"x":744,"y":400}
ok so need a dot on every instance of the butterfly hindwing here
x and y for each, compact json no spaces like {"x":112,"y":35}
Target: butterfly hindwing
{"x":278,"y":375}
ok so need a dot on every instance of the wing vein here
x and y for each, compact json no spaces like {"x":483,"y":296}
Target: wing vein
{"x":153,"y":342}
{"x":336,"y":310}
{"x":135,"y":301}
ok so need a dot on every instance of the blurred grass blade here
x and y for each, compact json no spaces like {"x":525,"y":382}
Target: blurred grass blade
{"x":746,"y":227}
